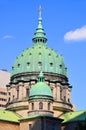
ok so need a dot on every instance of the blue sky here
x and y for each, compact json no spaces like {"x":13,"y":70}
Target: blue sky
{"x":64,"y":22}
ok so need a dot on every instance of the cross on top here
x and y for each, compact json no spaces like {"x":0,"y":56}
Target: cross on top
{"x":40,"y":12}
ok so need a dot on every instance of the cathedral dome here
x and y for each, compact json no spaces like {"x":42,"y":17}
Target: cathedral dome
{"x":39,"y":56}
{"x":40,"y":88}
{"x":24,"y":87}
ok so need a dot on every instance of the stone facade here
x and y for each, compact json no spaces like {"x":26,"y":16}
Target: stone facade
{"x":78,"y":125}
{"x":40,"y":123}
{"x":18,"y":93}
{"x":5,"y":125}
{"x":38,"y":111}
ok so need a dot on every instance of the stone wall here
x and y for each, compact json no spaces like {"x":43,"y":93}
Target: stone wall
{"x":8,"y":126}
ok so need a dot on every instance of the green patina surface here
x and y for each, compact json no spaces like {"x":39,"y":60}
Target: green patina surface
{"x":74,"y":116}
{"x":30,"y":117}
{"x":9,"y":116}
{"x":39,"y":56}
{"x":40,"y":32}
{"x":38,"y":116}
{"x":40,"y":88}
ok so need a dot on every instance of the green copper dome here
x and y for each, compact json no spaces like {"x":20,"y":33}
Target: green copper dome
{"x":39,"y":56}
{"x":40,"y":88}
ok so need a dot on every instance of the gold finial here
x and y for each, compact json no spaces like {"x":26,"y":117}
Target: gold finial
{"x":40,"y":12}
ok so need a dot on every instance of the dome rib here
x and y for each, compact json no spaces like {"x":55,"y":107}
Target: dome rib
{"x":31,"y":61}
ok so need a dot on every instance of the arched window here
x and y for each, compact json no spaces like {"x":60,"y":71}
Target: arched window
{"x":12,"y":68}
{"x":60,"y":93}
{"x":40,"y":63}
{"x":68,"y":100}
{"x":38,"y":40}
{"x":27,"y":92}
{"x":65,"y":98}
{"x":18,"y":65}
{"x":17,"y":92}
{"x":60,"y":66}
{"x":40,"y":105}
{"x":51,"y":64}
{"x":49,"y":106}
{"x":28,"y":63}
{"x":32,"y":106}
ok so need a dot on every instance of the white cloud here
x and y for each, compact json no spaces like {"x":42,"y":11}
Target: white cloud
{"x":8,"y":37}
{"x":78,"y":34}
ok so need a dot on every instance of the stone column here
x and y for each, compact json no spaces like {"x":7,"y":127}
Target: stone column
{"x":12,"y":92}
{"x":21,"y":90}
{"x":53,"y":88}
{"x":26,"y":85}
{"x":58,"y":91}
